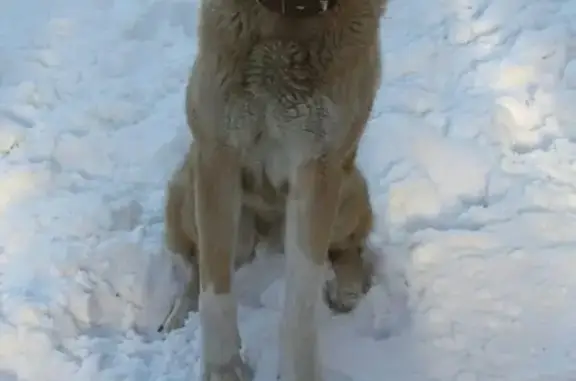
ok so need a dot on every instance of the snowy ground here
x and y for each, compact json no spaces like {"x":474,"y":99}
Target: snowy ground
{"x":470,"y":157}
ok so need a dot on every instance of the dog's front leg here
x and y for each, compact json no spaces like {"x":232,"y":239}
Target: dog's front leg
{"x":310,"y":213}
{"x":217,"y":190}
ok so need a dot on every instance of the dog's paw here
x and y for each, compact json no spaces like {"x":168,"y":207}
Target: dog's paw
{"x":178,"y":314}
{"x":235,"y":370}
{"x":350,"y":284}
{"x":343,"y":298}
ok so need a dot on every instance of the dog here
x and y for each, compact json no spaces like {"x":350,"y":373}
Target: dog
{"x":277,"y":100}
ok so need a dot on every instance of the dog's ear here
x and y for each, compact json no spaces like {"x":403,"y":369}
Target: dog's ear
{"x":298,"y":8}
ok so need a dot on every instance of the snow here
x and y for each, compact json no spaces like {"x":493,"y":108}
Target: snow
{"x":470,"y":157}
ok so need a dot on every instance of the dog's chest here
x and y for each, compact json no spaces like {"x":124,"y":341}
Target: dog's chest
{"x":283,"y":86}
{"x":270,"y":159}
{"x":286,"y":72}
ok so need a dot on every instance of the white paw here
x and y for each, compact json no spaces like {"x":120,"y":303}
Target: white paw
{"x":235,"y":370}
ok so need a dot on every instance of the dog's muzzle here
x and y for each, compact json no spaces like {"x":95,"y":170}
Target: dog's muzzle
{"x":298,"y":8}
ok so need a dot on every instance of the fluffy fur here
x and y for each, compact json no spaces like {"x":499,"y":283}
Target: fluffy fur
{"x":276,"y":106}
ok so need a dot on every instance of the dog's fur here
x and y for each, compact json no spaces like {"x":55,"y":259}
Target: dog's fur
{"x":276,"y":105}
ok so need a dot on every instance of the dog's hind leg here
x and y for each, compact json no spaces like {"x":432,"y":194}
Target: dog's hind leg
{"x":218,"y":205}
{"x":348,"y":253}
{"x":180,"y":236}
{"x":311,"y":209}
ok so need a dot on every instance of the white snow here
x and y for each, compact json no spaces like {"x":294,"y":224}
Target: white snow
{"x":470,"y":158}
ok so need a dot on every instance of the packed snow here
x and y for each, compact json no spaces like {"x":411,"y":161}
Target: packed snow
{"x":470,"y":157}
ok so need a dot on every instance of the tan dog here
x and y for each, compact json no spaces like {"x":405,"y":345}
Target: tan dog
{"x":277,"y":100}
